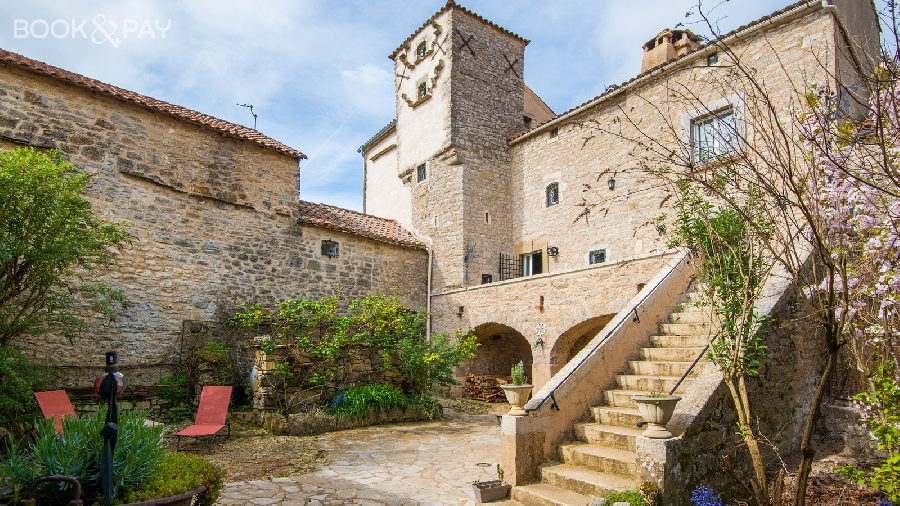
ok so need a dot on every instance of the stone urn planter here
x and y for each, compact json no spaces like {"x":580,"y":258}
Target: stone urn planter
{"x":657,"y":411}
{"x":488,"y":491}
{"x":517,"y":395}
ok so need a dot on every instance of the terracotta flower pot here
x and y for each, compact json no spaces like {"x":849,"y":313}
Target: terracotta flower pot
{"x":488,"y":491}
{"x":517,"y":395}
{"x":657,"y":411}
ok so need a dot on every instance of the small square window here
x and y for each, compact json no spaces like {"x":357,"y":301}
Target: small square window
{"x":423,"y":90}
{"x":712,"y":59}
{"x":713,"y":136}
{"x":486,"y":278}
{"x":421,"y":50}
{"x":527,"y":121}
{"x":554,"y":132}
{"x":597,"y":256}
{"x":421,"y":173}
{"x":330,"y":248}
{"x":552,"y":193}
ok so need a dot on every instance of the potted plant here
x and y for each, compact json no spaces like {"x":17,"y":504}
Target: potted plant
{"x":491,"y":490}
{"x":519,"y":391}
{"x":657,"y":409}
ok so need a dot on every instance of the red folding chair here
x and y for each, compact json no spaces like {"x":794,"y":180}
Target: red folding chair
{"x":55,"y":404}
{"x":212,"y":416}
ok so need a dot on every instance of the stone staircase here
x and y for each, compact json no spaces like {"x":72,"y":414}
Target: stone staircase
{"x":603,"y":458}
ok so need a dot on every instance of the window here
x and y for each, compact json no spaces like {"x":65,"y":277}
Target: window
{"x":597,"y":256}
{"x":714,"y":135}
{"x":421,"y":51}
{"x":330,"y":248}
{"x":554,"y":132}
{"x":532,"y":263}
{"x":527,"y":121}
{"x":486,"y":278}
{"x":712,"y":59}
{"x":421,"y":174}
{"x":552,"y":192}
{"x":422,"y":90}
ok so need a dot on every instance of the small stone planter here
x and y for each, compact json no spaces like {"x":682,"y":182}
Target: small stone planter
{"x":489,"y":491}
{"x":517,"y":395}
{"x":657,"y":411}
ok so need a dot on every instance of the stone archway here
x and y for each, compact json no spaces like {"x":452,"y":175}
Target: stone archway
{"x":499,"y":347}
{"x":570,"y":342}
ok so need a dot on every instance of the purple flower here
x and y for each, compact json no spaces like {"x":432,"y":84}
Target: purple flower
{"x":704,"y":496}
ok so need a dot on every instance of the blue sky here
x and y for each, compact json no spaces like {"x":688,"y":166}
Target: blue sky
{"x":317,"y":71}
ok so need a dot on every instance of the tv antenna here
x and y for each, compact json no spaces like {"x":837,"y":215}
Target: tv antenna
{"x":251,"y":112}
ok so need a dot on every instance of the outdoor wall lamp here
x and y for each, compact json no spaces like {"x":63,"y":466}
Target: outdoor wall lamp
{"x":612,"y":183}
{"x":539,"y":342}
{"x":661,"y":229}
{"x":459,"y":311}
{"x":552,"y":251}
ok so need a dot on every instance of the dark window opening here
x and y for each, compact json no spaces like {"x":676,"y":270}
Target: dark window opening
{"x":486,"y":278}
{"x":554,"y":132}
{"x":552,"y":192}
{"x":330,"y":248}
{"x":532,"y":263}
{"x":598,"y":256}
{"x":712,"y":59}
{"x":527,"y":121}
{"x":423,"y":90}
{"x":421,"y":173}
{"x":421,"y":51}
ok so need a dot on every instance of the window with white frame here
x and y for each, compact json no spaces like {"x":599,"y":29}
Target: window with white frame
{"x":714,"y":135}
{"x":552,"y":194}
{"x":532,"y":263}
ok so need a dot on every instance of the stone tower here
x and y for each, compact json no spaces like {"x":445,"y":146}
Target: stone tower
{"x":459,"y":95}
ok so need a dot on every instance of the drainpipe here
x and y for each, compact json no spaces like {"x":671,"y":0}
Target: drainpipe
{"x":428,"y":295}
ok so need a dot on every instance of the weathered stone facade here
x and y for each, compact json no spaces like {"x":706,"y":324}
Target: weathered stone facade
{"x":214,"y":220}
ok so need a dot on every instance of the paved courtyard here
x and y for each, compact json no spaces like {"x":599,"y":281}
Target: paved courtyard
{"x":415,"y":464}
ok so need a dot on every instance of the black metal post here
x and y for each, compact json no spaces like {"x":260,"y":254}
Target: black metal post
{"x":108,"y":388}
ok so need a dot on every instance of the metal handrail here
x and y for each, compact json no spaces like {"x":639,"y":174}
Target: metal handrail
{"x":634,"y":309}
{"x":705,"y":349}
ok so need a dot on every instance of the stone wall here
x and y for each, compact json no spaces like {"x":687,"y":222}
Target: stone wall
{"x":212,"y":218}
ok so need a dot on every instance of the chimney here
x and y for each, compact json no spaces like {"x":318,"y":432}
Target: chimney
{"x":667,"y":46}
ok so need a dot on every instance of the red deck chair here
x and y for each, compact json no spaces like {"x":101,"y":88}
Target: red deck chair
{"x":212,"y":416}
{"x":55,"y":404}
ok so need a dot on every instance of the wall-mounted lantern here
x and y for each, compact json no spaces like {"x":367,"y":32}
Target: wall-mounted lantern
{"x":552,"y":251}
{"x":459,"y":311}
{"x":611,"y":182}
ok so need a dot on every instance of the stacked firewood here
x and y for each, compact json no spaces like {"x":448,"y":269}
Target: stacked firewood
{"x":485,"y":387}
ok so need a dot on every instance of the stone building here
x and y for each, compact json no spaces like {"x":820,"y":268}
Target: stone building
{"x":545,"y":232}
{"x":214,"y":213}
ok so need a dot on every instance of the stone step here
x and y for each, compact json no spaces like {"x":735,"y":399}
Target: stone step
{"x":620,"y":417}
{"x":686,"y":329}
{"x":698,"y":341}
{"x":544,"y":494}
{"x":692,"y":317}
{"x":660,"y":368}
{"x":671,"y":354}
{"x":663,"y":384}
{"x":622,"y":438}
{"x":599,"y":458}
{"x":584,"y":481}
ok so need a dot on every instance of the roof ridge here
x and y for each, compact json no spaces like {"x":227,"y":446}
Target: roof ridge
{"x":449,"y":5}
{"x":176,"y":111}
{"x":615,"y":87}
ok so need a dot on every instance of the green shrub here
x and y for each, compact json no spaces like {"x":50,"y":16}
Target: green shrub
{"x":362,"y":401}
{"x":630,"y":496}
{"x":177,"y":473}
{"x":174,"y":390}
{"x":76,"y":453}
{"x":20,"y":376}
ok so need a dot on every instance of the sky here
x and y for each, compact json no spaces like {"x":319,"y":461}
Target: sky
{"x":317,"y":72}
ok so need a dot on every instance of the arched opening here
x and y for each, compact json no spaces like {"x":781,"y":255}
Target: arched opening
{"x":499,"y":347}
{"x":572,"y":341}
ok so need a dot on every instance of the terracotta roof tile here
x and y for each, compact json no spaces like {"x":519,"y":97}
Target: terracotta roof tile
{"x":175,"y":111}
{"x":366,"y":225}
{"x":668,"y":64}
{"x":451,"y":4}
